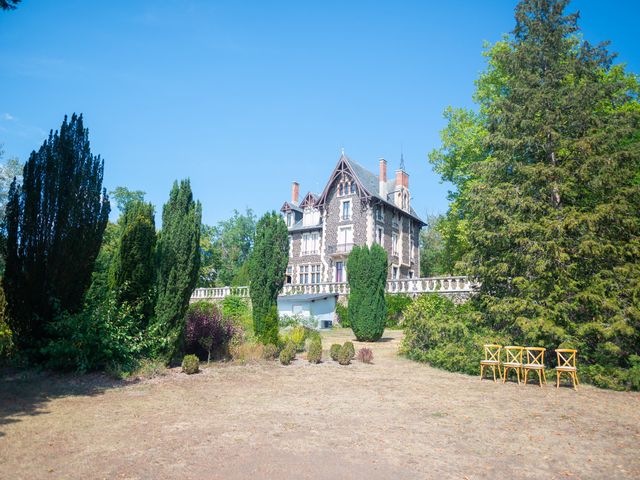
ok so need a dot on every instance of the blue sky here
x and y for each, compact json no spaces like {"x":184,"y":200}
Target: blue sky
{"x":244,"y":97}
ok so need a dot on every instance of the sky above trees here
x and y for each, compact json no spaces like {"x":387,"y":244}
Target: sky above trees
{"x":243,"y":98}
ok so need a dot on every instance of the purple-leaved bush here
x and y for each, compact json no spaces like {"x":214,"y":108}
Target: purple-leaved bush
{"x":207,"y":331}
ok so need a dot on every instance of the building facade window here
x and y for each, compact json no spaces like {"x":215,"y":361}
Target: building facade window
{"x":339,"y":272}
{"x":289,"y":219}
{"x":394,"y":243}
{"x":394,"y":273}
{"x":346,"y":210}
{"x":379,"y":213}
{"x":345,"y":236}
{"x":379,"y":235}
{"x":311,"y":243}
{"x":315,"y":273}
{"x":310,"y":274}
{"x":304,"y":274}
{"x":289,"y":276}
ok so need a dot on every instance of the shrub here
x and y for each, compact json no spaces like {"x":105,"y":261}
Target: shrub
{"x":396,"y":306}
{"x":352,"y":350}
{"x":287,"y":355}
{"x":297,"y":336}
{"x":365,"y":355}
{"x":270,"y":352}
{"x":190,"y":364}
{"x":345,"y":355}
{"x":367,"y":280}
{"x":207,"y":331}
{"x":314,"y":355}
{"x":343,"y":315}
{"x":103,"y":335}
{"x":237,"y":309}
{"x":5,"y":331}
{"x":150,"y":368}
{"x":334,"y":351}
{"x":244,"y":352}
{"x":446,"y":335}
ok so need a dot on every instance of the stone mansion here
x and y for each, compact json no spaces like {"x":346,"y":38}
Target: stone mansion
{"x":357,"y":207}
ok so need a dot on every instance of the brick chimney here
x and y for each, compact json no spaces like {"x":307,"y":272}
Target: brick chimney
{"x":382,"y":183}
{"x":402,"y":179}
{"x":402,"y":197}
{"x":295,"y":193}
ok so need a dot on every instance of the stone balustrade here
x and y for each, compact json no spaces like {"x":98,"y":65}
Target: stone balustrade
{"x":408,"y":286}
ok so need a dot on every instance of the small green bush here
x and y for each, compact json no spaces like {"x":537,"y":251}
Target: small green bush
{"x":345,"y":355}
{"x":297,"y":336}
{"x":190,"y":364}
{"x":334,"y":351}
{"x":314,"y":355}
{"x":352,"y":350}
{"x":270,"y":352}
{"x":287,"y":355}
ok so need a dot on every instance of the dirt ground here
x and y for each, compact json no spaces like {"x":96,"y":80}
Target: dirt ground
{"x":394,"y":419}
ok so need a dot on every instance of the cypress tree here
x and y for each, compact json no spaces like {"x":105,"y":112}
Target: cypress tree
{"x":178,"y":261}
{"x":367,"y":276}
{"x":267,"y":267}
{"x":55,"y":223}
{"x":554,"y":232}
{"x":133,"y":268}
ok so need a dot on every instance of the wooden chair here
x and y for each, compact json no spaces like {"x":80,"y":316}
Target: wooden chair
{"x":491,"y":359}
{"x":535,"y":361}
{"x":512,"y":361}
{"x":567,"y":364}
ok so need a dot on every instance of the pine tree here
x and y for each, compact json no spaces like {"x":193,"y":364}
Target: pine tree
{"x":55,"y":223}
{"x":133,"y":268}
{"x":267,"y":267}
{"x":367,"y":276}
{"x":178,"y":261}
{"x":554,"y":230}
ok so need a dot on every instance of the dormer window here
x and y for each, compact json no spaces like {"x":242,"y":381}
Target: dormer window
{"x":289,"y":219}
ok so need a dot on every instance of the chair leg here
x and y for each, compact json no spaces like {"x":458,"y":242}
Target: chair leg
{"x":544,"y":375}
{"x":481,"y":370}
{"x":493,"y":369}
{"x":540,"y":377}
{"x":500,"y":372}
{"x":526,"y":372}
{"x":518,"y":375}
{"x":558,"y":378}
{"x":506,"y":372}
{"x":573,"y":377}
{"x":576,"y":374}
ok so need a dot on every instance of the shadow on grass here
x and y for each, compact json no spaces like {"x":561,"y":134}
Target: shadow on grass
{"x":25,"y":392}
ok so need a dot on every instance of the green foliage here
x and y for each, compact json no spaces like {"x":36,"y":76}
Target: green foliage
{"x":297,"y":336}
{"x":133,"y":266}
{"x":55,"y":222}
{"x":314,"y":355}
{"x":367,"y":280}
{"x":343,"y":315}
{"x":101,"y":336}
{"x":100,"y":278}
{"x":226,"y":248}
{"x":238,"y":309}
{"x":267,"y":266}
{"x":270,"y":352}
{"x":6,"y":341}
{"x":123,"y":197}
{"x":348,"y":346}
{"x":190,"y":364}
{"x":9,"y":170}
{"x":178,"y":258}
{"x":288,"y":354}
{"x":334,"y":351}
{"x":345,"y":355}
{"x":435,"y":257}
{"x":396,"y":306}
{"x":547,"y":192}
{"x":444,"y":334}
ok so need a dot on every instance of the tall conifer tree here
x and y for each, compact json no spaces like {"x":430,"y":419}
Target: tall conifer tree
{"x":178,"y":261}
{"x":554,"y":230}
{"x":267,"y":267}
{"x":367,"y":275}
{"x":55,"y":223}
{"x":133,"y":268}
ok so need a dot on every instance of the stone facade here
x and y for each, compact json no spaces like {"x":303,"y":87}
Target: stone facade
{"x":356,"y":207}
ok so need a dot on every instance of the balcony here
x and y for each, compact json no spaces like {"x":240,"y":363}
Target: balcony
{"x":339,"y":249}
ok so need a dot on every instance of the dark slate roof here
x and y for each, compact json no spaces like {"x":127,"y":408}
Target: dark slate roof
{"x":298,"y":227}
{"x":370,"y":181}
{"x":290,"y":206}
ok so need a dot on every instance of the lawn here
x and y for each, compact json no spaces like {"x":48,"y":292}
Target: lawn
{"x":392,"y":419}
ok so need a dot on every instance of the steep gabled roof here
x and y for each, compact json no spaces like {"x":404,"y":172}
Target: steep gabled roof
{"x":309,"y":200}
{"x":367,"y":184}
{"x":287,"y":207}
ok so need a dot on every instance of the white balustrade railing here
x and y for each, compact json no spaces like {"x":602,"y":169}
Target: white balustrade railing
{"x":407,"y":286}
